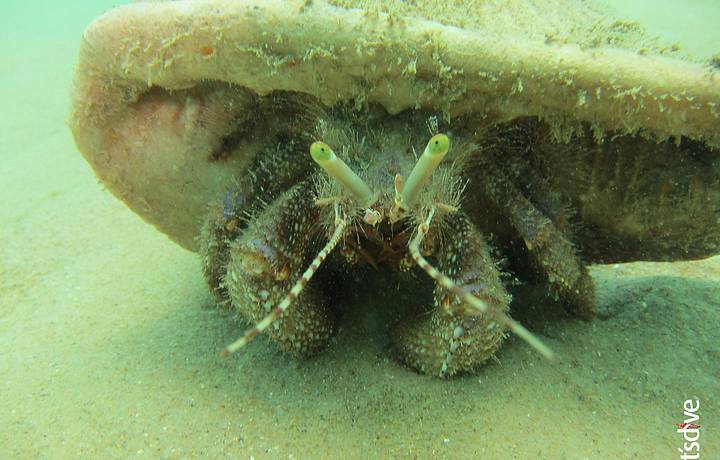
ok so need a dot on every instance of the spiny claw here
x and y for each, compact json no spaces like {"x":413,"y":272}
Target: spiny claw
{"x":469,"y":298}
{"x":277,"y":312}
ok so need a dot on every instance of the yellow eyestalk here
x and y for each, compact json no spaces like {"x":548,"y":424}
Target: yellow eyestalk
{"x":341,"y":172}
{"x":435,"y":151}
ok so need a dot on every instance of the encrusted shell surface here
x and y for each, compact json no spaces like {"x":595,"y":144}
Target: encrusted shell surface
{"x":165,"y":106}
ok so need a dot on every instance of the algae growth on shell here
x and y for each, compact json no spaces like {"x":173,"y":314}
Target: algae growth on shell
{"x":601,"y":145}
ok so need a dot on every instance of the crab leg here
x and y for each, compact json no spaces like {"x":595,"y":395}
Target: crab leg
{"x":551,"y":256}
{"x":277,"y":312}
{"x":468,"y":298}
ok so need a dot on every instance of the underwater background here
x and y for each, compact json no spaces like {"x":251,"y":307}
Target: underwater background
{"x":110,"y":338}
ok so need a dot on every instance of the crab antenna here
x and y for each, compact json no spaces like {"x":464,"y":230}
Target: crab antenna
{"x":470,"y":299}
{"x":341,"y":172}
{"x":435,"y":151}
{"x":278,"y":311}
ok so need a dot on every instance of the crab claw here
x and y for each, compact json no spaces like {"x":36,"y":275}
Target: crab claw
{"x":258,"y":257}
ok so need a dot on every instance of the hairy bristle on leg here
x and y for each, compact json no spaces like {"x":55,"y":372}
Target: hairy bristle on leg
{"x":277,"y":312}
{"x":468,"y":298}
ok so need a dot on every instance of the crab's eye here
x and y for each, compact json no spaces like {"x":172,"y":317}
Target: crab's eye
{"x":439,"y":144}
{"x":320,"y":151}
{"x":341,"y":172}
{"x":435,"y":151}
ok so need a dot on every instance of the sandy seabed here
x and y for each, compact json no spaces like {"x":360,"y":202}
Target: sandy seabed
{"x":110,"y":340}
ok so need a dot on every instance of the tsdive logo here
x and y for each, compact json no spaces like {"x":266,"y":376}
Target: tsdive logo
{"x":690,"y":431}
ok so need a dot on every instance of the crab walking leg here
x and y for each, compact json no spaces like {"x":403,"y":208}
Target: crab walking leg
{"x":278,"y":311}
{"x":470,"y":299}
{"x":553,"y":258}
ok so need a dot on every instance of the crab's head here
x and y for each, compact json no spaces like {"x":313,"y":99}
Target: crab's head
{"x":377,"y":201}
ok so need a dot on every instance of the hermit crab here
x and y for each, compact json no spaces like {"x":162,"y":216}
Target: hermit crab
{"x":302,"y":147}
